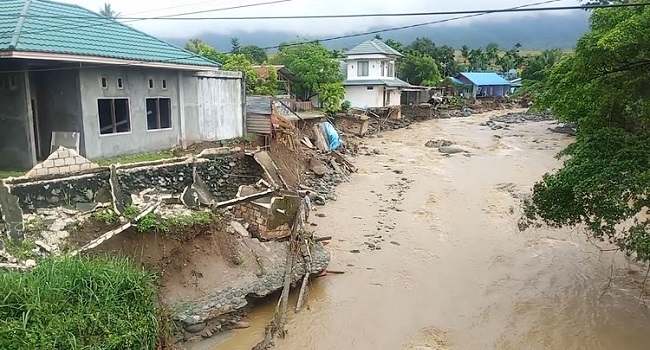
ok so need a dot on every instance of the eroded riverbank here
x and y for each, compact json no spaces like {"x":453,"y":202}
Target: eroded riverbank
{"x":451,"y":262}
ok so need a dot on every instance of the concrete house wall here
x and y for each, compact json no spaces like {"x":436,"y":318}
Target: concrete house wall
{"x":136,"y":89}
{"x":362,"y":97}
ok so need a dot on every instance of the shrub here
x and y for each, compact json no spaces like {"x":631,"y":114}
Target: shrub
{"x":77,"y":303}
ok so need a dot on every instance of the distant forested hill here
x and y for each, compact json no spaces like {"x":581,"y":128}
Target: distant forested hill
{"x":534,"y":33}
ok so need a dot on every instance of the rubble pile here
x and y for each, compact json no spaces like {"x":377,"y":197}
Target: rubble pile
{"x":517,"y":118}
{"x":505,"y":122}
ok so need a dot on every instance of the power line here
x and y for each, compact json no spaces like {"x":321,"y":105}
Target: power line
{"x":173,"y":7}
{"x":102,"y":21}
{"x":411,"y":25}
{"x":316,"y":40}
{"x":360,"y":15}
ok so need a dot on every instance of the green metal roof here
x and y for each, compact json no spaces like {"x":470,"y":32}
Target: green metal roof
{"x":373,"y":47}
{"x":45,"y":26}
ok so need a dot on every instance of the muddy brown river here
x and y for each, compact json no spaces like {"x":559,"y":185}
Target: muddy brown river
{"x":458,"y":270}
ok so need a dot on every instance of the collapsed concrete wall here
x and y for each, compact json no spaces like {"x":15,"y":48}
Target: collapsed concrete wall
{"x":224,"y":174}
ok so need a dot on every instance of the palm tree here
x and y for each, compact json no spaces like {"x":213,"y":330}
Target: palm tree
{"x":108,"y":12}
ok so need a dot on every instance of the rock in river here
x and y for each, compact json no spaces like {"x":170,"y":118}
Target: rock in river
{"x":451,"y":150}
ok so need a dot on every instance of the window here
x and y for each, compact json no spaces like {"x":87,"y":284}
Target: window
{"x":114,"y":115}
{"x":362,"y":69}
{"x":391,"y":69}
{"x":159,"y":113}
{"x":120,"y":83}
{"x":383,"y":68}
{"x":370,"y":88}
{"x":104,"y":83}
{"x":164,"y":84}
{"x":151,"y":84}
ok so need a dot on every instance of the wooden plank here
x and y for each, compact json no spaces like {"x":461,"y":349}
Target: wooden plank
{"x":343,"y":160}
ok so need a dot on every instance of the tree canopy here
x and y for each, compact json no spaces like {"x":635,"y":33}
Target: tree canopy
{"x":255,"y":84}
{"x":319,"y":73}
{"x":108,"y":11}
{"x":604,"y":184}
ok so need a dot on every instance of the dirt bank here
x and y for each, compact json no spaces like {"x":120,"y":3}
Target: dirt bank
{"x":432,"y":254}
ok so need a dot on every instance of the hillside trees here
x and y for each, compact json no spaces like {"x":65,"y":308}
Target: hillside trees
{"x":238,"y":62}
{"x":604,"y":184}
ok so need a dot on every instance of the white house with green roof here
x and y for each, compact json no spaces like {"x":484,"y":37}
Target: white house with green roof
{"x":370,"y":80}
{"x":64,"y":68}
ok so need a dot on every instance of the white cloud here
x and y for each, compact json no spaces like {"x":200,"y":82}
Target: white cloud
{"x":316,"y":27}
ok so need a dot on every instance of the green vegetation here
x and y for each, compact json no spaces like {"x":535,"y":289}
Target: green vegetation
{"x":238,"y":259}
{"x":137,"y":158}
{"x":605,"y":181}
{"x":21,"y":251}
{"x":240,"y":59}
{"x":8,"y":174}
{"x":107,"y":216}
{"x":77,"y":303}
{"x":319,"y":73}
{"x":151,"y":222}
{"x":34,"y":225}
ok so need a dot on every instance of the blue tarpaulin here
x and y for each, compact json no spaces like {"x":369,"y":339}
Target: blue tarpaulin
{"x":333,"y":140}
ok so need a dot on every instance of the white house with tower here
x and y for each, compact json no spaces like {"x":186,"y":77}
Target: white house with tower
{"x":369,"y":71}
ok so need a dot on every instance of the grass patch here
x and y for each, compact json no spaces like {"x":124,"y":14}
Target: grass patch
{"x":107,"y":216}
{"x":151,"y":222}
{"x":8,"y":174}
{"x":78,"y":303}
{"x":22,"y":251}
{"x":246,"y":140}
{"x":137,"y":158}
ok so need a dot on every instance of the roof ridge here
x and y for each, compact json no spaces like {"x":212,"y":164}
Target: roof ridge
{"x":19,"y":25}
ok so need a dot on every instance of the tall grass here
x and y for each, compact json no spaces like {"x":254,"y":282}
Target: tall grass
{"x":79,"y":303}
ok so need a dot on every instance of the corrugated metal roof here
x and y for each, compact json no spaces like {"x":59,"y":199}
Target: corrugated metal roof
{"x":57,"y":28}
{"x":457,"y":81}
{"x":387,"y":82}
{"x":258,"y":124}
{"x":373,"y":47}
{"x":258,"y":105}
{"x":483,"y":79}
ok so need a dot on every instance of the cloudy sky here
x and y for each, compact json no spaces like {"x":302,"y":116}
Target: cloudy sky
{"x":171,"y":29}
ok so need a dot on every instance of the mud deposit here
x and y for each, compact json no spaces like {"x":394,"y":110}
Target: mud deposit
{"x":452,"y":270}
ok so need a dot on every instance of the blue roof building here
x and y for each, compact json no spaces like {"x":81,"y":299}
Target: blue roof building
{"x":482,"y":84}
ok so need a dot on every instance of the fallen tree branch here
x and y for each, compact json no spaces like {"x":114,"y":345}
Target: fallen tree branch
{"x":305,"y":280}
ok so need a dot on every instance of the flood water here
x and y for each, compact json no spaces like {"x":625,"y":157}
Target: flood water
{"x":462,"y":271}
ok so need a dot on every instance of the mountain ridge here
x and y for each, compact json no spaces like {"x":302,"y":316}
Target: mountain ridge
{"x":539,"y":32}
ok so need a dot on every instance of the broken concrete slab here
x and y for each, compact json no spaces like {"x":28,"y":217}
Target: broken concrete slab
{"x":239,"y":228}
{"x":202,"y":190}
{"x":116,"y":192}
{"x":12,"y":214}
{"x":190,"y":197}
{"x":271,"y":170}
